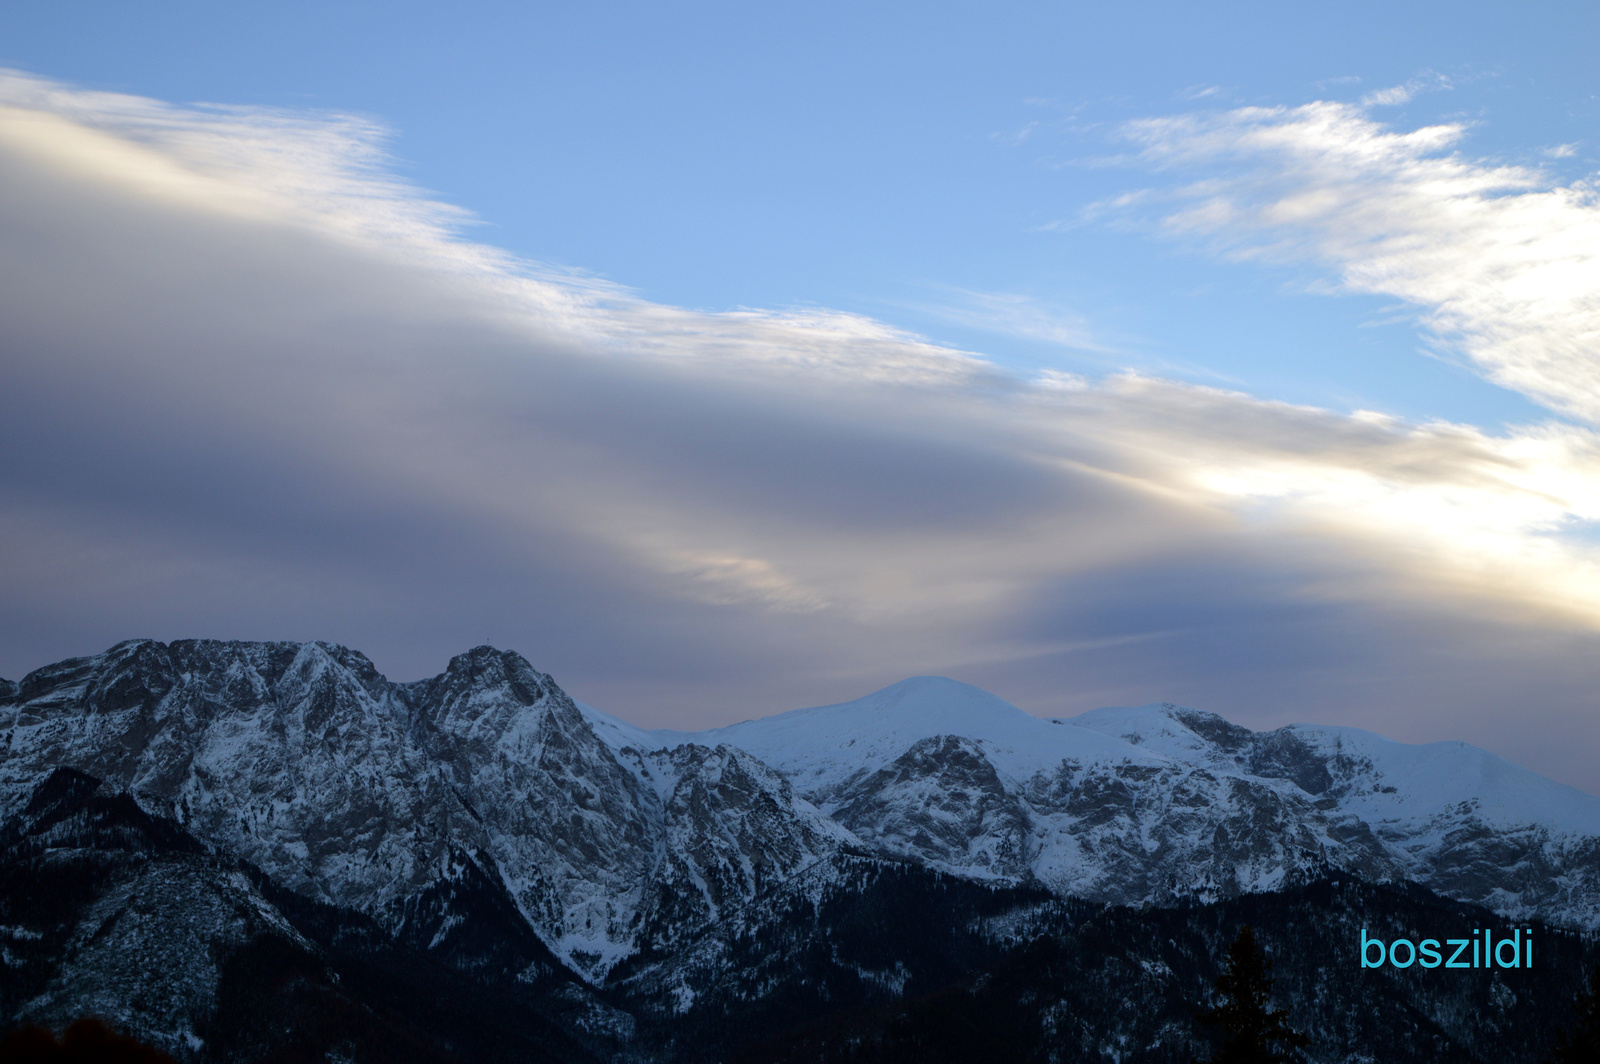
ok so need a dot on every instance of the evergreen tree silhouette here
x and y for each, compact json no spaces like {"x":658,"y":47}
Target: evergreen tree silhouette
{"x":1581,"y":1045}
{"x":1252,"y":1031}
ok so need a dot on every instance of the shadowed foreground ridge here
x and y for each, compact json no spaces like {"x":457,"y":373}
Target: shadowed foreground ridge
{"x":237,"y":851}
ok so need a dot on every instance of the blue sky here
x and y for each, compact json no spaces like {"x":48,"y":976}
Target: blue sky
{"x":728,"y":358}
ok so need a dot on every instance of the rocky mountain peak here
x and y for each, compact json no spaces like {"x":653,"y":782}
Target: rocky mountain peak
{"x":351,"y":789}
{"x":129,"y":674}
{"x":487,"y":674}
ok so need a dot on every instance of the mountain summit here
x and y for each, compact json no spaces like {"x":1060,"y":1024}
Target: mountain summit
{"x":1145,"y":804}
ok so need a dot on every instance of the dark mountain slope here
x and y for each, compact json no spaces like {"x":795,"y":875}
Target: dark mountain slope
{"x":109,"y":911}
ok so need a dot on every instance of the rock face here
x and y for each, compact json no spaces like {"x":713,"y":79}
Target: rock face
{"x":940,"y":802}
{"x":366,"y":794}
{"x":108,"y":911}
{"x":1158,"y":803}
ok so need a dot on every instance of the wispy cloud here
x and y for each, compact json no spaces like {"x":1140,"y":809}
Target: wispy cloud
{"x":732,"y":579}
{"x":1395,"y":95}
{"x":1017,"y":136}
{"x":1503,"y":261}
{"x":1014,"y":314}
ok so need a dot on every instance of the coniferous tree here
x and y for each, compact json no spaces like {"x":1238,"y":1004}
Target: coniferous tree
{"x":1581,"y":1045}
{"x":1252,"y":1031}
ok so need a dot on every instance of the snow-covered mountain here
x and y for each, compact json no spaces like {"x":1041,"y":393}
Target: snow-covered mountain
{"x":108,"y":910}
{"x":608,"y":892}
{"x":610,"y":839}
{"x":1141,"y":804}
{"x":365,"y":793}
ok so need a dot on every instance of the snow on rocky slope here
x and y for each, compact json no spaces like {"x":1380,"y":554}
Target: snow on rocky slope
{"x":1143,"y":804}
{"x":364,"y":793}
{"x":610,"y":839}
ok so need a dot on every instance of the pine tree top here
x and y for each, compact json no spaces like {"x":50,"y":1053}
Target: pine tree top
{"x":1253,"y":1032}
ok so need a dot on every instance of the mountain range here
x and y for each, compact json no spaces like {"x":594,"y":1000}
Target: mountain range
{"x":650,"y":895}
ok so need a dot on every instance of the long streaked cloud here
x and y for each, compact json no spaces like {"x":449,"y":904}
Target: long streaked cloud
{"x":256,"y":386}
{"x":1501,"y":261}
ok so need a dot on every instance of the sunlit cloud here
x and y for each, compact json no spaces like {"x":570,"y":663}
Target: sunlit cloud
{"x":1503,"y":519}
{"x":1502,"y":261}
{"x":730,"y":579}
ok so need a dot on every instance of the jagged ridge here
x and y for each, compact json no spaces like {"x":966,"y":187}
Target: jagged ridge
{"x":365,"y":793}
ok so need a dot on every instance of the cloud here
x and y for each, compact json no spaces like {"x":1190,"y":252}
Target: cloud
{"x":1395,"y":95}
{"x":729,"y":579}
{"x":256,"y":387}
{"x":1501,"y":261}
{"x":1014,"y":314}
{"x":1457,"y":512}
{"x":1017,"y":136}
{"x":1390,"y":97}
